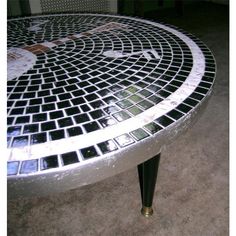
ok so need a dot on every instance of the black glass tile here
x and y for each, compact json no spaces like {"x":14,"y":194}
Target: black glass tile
{"x":115,"y":88}
{"x":175,"y":114}
{"x":15,"y":96}
{"x":85,"y":108}
{"x":165,"y":78}
{"x":122,"y":94}
{"x":72,"y":111}
{"x":97,"y":114}
{"x":132,"y":89}
{"x":57,"y":134}
{"x":191,"y":102}
{"x":81,"y":118}
{"x":107,"y":146}
{"x":12,"y":167}
{"x":163,"y":93}
{"x":38,"y":138}
{"x":49,"y":162}
{"x":49,"y":74}
{"x":112,"y":81}
{"x":71,"y":88}
{"x":29,"y":166}
{"x":13,"y":130}
{"x":11,"y":82}
{"x":89,"y":152}
{"x":208,"y":79}
{"x":32,"y":88}
{"x":124,"y":104}
{"x":97,"y":104}
{"x":36,"y":101}
{"x":170,"y":88}
{"x":83,"y":84}
{"x":134,"y":110}
{"x":164,"y":121}
{"x":44,"y":93}
{"x":10,"y":103}
{"x":125,"y":83}
{"x":205,"y":85}
{"x":50,"y":99}
{"x":23,"y":83}
{"x":9,"y":89}
{"x":104,"y":92}
{"x":47,"y":86}
{"x":102,"y":85}
{"x":135,"y":98}
{"x":110,"y":100}
{"x":77,"y":93}
{"x":145,"y":104}
{"x":91,"y":126}
{"x":58,"y":91}
{"x":94,"y":73}
{"x":64,"y":122}
{"x":184,"y":108}
{"x":91,"y":97}
{"x":20,"y":141}
{"x":141,"y":84}
{"x":90,"y":89}
{"x":63,"y":104}
{"x":139,"y":134}
{"x":62,"y":83}
{"x":22,"y":119}
{"x":161,"y":83}
{"x":183,"y":73}
{"x":209,"y":74}
{"x":153,"y":88}
{"x":201,"y":90}
{"x":20,"y":89}
{"x":78,"y":101}
{"x":43,"y":70}
{"x":17,"y":111}
{"x":32,"y":109}
{"x":152,"y":127}
{"x":124,"y":140}
{"x":21,"y":103}
{"x":74,"y":131}
{"x":111,"y":109}
{"x":107,"y":121}
{"x":121,"y":116}
{"x":50,"y":125}
{"x":155,"y":99}
{"x":56,"y":114}
{"x":64,"y":96}
{"x":197,"y":96}
{"x":69,"y":158}
{"x":48,"y":107}
{"x":145,"y":93}
{"x":32,"y":128}
{"x":10,"y":120}
{"x":40,"y":117}
{"x":29,"y":95}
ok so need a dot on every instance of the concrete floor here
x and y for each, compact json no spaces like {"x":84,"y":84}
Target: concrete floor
{"x":191,"y":196}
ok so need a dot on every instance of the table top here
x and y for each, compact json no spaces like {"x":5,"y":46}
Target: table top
{"x":91,"y":95}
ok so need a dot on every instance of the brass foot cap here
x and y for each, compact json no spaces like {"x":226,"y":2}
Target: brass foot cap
{"x":146,"y":211}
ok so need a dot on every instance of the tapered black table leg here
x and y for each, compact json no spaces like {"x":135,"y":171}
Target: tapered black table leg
{"x":147,"y":172}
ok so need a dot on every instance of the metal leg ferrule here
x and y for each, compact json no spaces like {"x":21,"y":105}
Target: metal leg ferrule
{"x":147,"y":211}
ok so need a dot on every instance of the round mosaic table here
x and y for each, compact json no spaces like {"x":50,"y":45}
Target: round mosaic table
{"x":92,"y":95}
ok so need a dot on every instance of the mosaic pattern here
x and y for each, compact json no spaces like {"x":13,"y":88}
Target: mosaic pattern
{"x":50,"y":6}
{"x":99,"y":84}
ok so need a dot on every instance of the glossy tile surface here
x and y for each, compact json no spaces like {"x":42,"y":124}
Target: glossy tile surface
{"x":92,"y":73}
